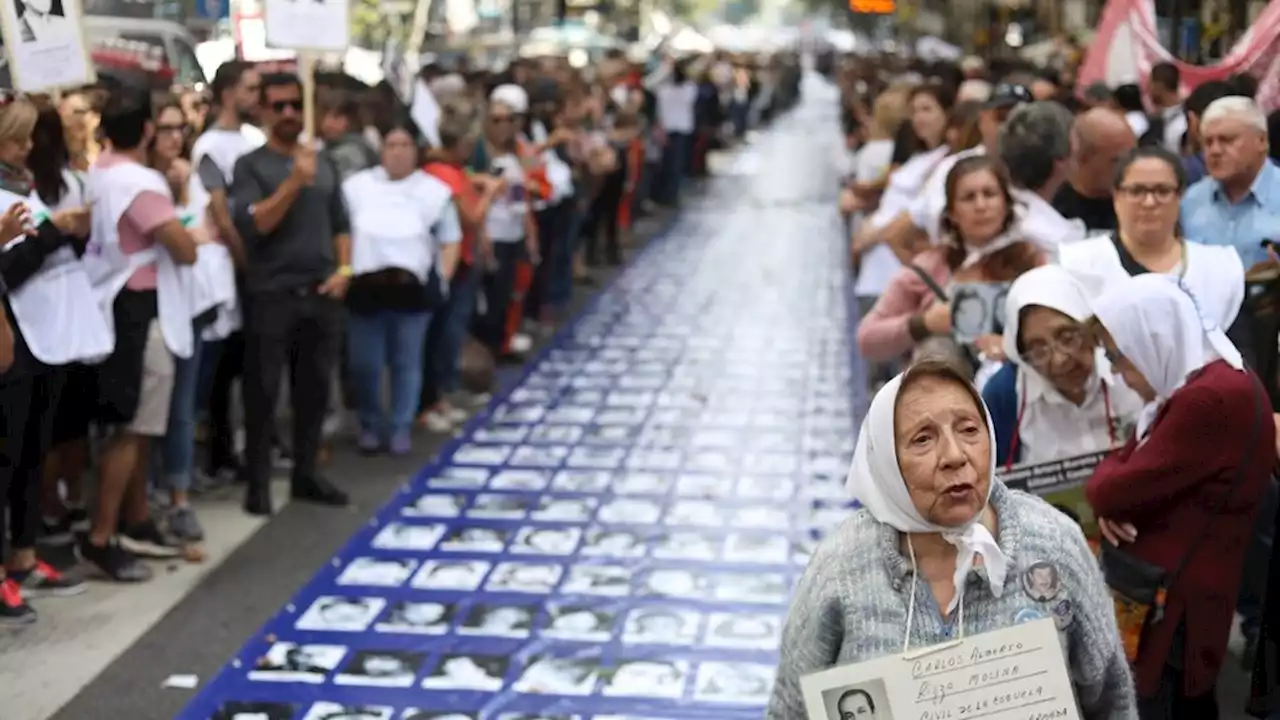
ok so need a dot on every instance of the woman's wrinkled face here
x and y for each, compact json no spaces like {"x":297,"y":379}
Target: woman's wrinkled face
{"x":978,"y":210}
{"x":928,"y":118}
{"x":1056,"y":346}
{"x":1128,"y":371}
{"x":1147,"y":200}
{"x":943,"y":449}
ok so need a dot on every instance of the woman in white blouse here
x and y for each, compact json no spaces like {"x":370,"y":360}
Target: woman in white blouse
{"x":404,"y":249}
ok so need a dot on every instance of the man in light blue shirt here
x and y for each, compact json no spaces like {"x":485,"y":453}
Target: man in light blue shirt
{"x":1238,"y":204}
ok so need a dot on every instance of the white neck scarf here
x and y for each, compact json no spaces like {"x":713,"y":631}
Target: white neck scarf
{"x":1156,"y":323}
{"x":876,"y":481}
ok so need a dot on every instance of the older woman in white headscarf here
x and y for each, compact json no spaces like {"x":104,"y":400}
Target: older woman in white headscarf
{"x":941,"y":549}
{"x":1057,"y":396}
{"x":1182,"y":495}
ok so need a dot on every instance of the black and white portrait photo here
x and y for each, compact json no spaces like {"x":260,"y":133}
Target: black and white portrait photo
{"x":450,"y":574}
{"x":763,"y":517}
{"x":291,"y":662}
{"x":596,"y":456}
{"x":565,"y":509}
{"x":508,"y":621}
{"x":973,"y":309}
{"x":696,"y":513}
{"x":499,"y":506}
{"x":525,"y":716}
{"x":496,"y":433}
{"x":254,"y":710}
{"x":760,"y":548}
{"x":581,"y":481}
{"x":482,"y":455}
{"x":467,"y":672}
{"x":416,"y":714}
{"x":408,"y":536}
{"x":380,"y":668}
{"x":648,"y":678}
{"x":43,"y":21}
{"x":475,"y":539}
{"x":704,"y":486}
{"x":546,"y":540}
{"x":418,"y":618}
{"x":610,"y":435}
{"x":604,"y":580}
{"x":661,"y":626}
{"x":602,"y":542}
{"x":729,"y":682}
{"x":674,"y":583}
{"x":687,"y":545}
{"x":584,"y":624}
{"x":460,"y":478}
{"x":867,"y":700}
{"x":536,"y":456}
{"x":642,"y":483}
{"x":341,"y":614}
{"x":520,"y":480}
{"x":377,"y":572}
{"x":765,"y":588}
{"x":335,"y":711}
{"x":747,"y":631}
{"x":532,"y":578}
{"x":551,"y":675}
{"x":630,"y":511}
{"x":442,"y":505}
{"x":555,"y":434}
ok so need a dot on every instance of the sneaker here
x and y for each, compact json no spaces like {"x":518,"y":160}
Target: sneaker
{"x":44,"y":580}
{"x":13,"y":609}
{"x":368,"y":443}
{"x":146,"y":540}
{"x":56,"y":531}
{"x":282,"y":458}
{"x":436,"y":422}
{"x":401,"y":443}
{"x":453,"y":414}
{"x":520,"y":344}
{"x":184,"y":525}
{"x":115,"y":562}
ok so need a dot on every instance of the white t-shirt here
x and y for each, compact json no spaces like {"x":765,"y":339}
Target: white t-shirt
{"x":505,"y":221}
{"x":399,"y":223}
{"x":222,"y":148}
{"x":675,"y":106}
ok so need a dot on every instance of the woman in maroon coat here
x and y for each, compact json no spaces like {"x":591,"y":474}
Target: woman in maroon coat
{"x":1187,"y":486}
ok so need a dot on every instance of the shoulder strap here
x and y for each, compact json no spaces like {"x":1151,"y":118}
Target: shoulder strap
{"x":930,"y":282}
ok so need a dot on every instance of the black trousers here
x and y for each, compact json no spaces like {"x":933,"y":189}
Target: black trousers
{"x":298,"y":329}
{"x":499,"y":287}
{"x":604,"y":218}
{"x":28,"y":406}
{"x":230,"y":365}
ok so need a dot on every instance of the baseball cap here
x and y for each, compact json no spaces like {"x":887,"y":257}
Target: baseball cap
{"x":1006,"y":95}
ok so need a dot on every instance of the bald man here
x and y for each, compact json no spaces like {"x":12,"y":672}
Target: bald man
{"x":1099,"y":138}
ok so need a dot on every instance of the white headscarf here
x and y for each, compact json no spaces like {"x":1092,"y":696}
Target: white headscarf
{"x":1156,"y":323}
{"x":876,"y":481}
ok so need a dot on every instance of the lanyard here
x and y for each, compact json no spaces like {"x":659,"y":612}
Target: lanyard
{"x":1022,"y":408}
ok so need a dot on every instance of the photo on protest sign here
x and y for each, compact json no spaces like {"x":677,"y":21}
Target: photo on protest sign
{"x":1061,"y":484}
{"x":977,"y":309}
{"x":317,"y":25}
{"x":1018,"y":668}
{"x":45,"y":44}
{"x":341,"y":614}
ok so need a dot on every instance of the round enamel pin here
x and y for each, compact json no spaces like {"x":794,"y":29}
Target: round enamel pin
{"x":1041,"y":581}
{"x":1026,"y":615}
{"x":1063,"y":614}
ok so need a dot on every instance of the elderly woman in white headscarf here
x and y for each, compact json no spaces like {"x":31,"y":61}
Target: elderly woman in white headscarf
{"x":1057,"y":396}
{"x":941,"y":549}
{"x":1182,"y":495}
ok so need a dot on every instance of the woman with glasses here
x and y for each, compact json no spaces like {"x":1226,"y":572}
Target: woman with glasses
{"x":1057,"y":396}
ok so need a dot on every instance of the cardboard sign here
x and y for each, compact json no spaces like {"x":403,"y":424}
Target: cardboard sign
{"x":1018,"y":672}
{"x":1061,"y":484}
{"x":45,"y":45}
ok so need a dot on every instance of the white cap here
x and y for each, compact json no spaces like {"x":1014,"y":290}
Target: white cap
{"x":513,"y":96}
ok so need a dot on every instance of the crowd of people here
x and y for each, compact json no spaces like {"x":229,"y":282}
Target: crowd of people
{"x":1125,"y":246}
{"x":161,"y":252}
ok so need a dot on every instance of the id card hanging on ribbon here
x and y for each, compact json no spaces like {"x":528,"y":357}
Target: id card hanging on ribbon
{"x":1017,"y":672}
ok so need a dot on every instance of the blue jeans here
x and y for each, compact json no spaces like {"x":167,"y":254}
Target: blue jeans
{"x":392,"y":339}
{"x":448,"y":329}
{"x":675,"y":164}
{"x":175,"y":456}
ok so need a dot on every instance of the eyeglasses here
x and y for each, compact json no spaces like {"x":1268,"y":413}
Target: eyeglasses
{"x":500,"y":119}
{"x":1065,"y":341}
{"x":1162,"y":193}
{"x":282,"y":105}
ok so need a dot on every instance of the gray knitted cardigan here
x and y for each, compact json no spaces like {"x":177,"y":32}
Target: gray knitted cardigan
{"x":851,"y":605}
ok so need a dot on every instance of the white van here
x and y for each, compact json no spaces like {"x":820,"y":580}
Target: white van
{"x":165,"y":49}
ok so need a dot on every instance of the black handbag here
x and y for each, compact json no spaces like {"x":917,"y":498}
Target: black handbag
{"x":1139,"y":588}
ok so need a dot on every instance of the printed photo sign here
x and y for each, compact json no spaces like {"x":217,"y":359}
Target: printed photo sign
{"x":977,"y":309}
{"x":45,"y":45}
{"x":315,"y":25}
{"x":1061,"y":483}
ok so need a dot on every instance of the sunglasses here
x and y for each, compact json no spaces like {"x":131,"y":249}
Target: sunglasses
{"x":282,"y":105}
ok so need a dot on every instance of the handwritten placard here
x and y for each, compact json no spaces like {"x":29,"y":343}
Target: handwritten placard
{"x":1061,"y":484}
{"x":1018,"y":672}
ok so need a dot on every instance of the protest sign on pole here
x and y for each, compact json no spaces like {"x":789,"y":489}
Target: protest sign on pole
{"x":310,"y":27}
{"x":44,"y":41}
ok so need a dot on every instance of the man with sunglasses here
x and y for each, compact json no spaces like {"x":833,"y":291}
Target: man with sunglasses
{"x":288,"y":208}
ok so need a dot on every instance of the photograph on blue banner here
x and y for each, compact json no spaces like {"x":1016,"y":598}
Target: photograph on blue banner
{"x":291,"y":662}
{"x":475,"y":539}
{"x":538,"y":540}
{"x":648,"y":678}
{"x":507,"y":621}
{"x":734,"y":682}
{"x":603,"y":580}
{"x":519,"y":577}
{"x":748,"y":631}
{"x":609,"y":542}
{"x":254,"y":710}
{"x":460,"y":478}
{"x":380,"y":668}
{"x":437,"y":505}
{"x":408,"y":536}
{"x":579,"y":623}
{"x":465,"y":575}
{"x":500,"y":506}
{"x":377,"y":572}
{"x":642,"y":483}
{"x":630,"y":511}
{"x":565,"y":509}
{"x":341,"y":614}
{"x":581,"y":481}
{"x":660,"y":625}
{"x":336,"y":711}
{"x":687,"y":545}
{"x":558,"y":675}
{"x":467,"y":672}
{"x":418,"y":618}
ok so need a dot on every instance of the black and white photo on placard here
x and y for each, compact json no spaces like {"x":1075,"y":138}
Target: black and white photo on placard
{"x":748,"y":631}
{"x":380,"y":668}
{"x":408,"y":536}
{"x":291,"y":662}
{"x":508,"y":621}
{"x":659,"y":625}
{"x":581,"y":481}
{"x":687,"y":545}
{"x":450,"y":574}
{"x":579,"y":622}
{"x":734,"y":682}
{"x":554,"y":675}
{"x":565,"y":509}
{"x":674,"y":583}
{"x":977,"y":309}
{"x":254,"y":710}
{"x":537,"y":540}
{"x":520,"y":480}
{"x":532,"y":578}
{"x":603,"y":580}
{"x":764,"y":588}
{"x":648,"y":678}
{"x":332,"y":613}
{"x":436,"y":504}
{"x":605,"y":542}
{"x":337,"y":711}
{"x":757,"y":547}
{"x":377,"y":572}
{"x":475,"y":539}
{"x":418,"y":618}
{"x":499,"y":506}
{"x":467,"y":672}
{"x":42,"y":20}
{"x":642,"y":483}
{"x":703,"y":486}
{"x":460,"y":478}
{"x":630,"y":511}
{"x":764,"y":517}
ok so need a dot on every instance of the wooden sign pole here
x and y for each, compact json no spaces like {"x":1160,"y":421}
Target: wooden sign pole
{"x":307,"y":71}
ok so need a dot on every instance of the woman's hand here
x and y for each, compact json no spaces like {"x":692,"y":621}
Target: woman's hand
{"x":178,"y":172}
{"x":1117,"y":532}
{"x":937,"y":319}
{"x":849,"y":202}
{"x":15,"y":222}
{"x":72,"y":221}
{"x":991,"y":345}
